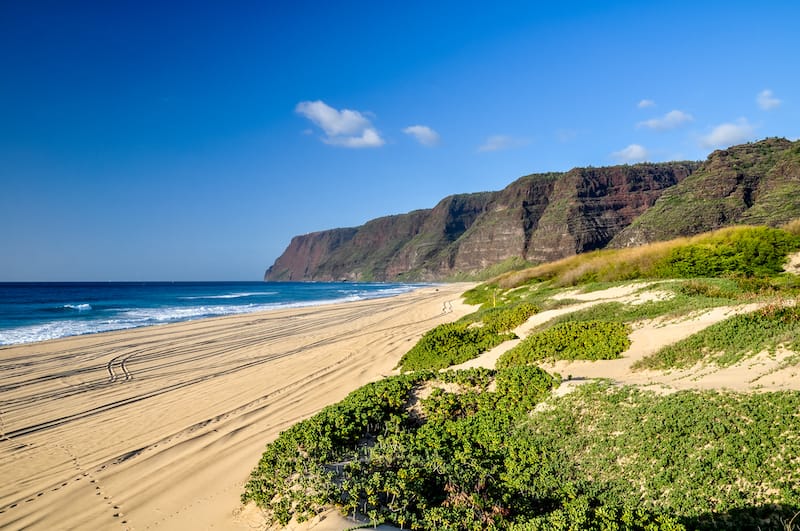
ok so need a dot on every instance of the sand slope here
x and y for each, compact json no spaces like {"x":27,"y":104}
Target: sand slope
{"x":159,"y":427}
{"x":761,"y":372}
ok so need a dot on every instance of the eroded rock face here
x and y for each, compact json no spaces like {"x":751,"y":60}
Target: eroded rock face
{"x":545,"y":217}
{"x":306,"y":252}
{"x":593,"y":205}
{"x":538,"y":217}
{"x":755,"y":183}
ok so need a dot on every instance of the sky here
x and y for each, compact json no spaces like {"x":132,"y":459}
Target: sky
{"x":190,"y":141}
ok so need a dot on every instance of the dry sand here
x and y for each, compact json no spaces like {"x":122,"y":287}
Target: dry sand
{"x":159,"y":427}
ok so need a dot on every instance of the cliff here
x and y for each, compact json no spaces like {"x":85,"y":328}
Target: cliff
{"x":543,"y":217}
{"x":538,"y":217}
{"x":756,"y":183}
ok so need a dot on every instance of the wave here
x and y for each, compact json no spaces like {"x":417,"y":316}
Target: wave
{"x":59,"y":329}
{"x":230,"y":295}
{"x":85,"y":307}
{"x":126,"y":318}
{"x":388,"y":291}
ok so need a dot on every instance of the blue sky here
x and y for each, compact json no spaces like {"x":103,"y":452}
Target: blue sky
{"x":140,"y":141}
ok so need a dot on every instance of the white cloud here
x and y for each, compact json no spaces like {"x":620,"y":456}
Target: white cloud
{"x":369,"y":138}
{"x":645,"y":103}
{"x":671,"y":120}
{"x":342,"y":128}
{"x":500,"y":142}
{"x":727,"y":134}
{"x":424,"y":134}
{"x":767,"y":101}
{"x":632,"y":153}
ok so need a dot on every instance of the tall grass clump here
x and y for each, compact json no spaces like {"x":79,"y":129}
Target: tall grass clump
{"x":740,"y":250}
{"x":793,"y":227}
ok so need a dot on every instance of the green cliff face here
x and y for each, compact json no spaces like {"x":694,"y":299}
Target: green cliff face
{"x":544,"y":217}
{"x":752,"y":184}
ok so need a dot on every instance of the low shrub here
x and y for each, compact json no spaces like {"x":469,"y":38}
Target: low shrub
{"x":711,"y":460}
{"x":575,"y":340}
{"x":748,"y":251}
{"x":449,"y":344}
{"x":505,"y":319}
{"x":731,"y":340}
{"x":368,"y":455}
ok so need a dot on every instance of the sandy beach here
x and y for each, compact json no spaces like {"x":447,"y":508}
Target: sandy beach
{"x":159,"y":427}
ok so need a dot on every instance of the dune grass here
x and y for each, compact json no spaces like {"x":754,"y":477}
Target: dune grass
{"x":740,"y":250}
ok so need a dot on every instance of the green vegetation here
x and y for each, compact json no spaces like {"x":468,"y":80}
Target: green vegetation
{"x":745,"y":251}
{"x":449,"y":344}
{"x":714,"y":460}
{"x":728,"y":341}
{"x":576,"y":340}
{"x":453,"y":343}
{"x":601,"y":457}
{"x":507,"y":318}
{"x":494,"y":449}
{"x":460,"y":463}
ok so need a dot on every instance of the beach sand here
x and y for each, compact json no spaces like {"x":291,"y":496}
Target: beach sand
{"x":159,"y":427}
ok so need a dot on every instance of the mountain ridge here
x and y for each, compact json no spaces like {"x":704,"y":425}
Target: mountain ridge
{"x":547,"y":216}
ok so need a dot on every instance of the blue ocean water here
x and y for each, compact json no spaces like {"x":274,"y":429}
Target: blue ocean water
{"x":47,"y":310}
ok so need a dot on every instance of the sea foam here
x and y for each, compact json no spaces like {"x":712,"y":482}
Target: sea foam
{"x":122,"y":307}
{"x":85,"y":307}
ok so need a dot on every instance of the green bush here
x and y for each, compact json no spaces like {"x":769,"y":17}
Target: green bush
{"x":578,"y":340}
{"x":369,"y":455}
{"x":505,"y":319}
{"x":291,"y":478}
{"x":519,"y":389}
{"x":449,"y":344}
{"x":748,"y":251}
{"x":581,"y":514}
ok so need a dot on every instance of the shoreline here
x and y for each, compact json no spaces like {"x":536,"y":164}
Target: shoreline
{"x":159,"y":426}
{"x":33,"y":331}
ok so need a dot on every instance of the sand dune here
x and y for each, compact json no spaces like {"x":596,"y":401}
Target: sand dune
{"x":761,"y":372}
{"x":159,"y":427}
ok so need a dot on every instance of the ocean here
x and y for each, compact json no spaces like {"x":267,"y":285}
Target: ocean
{"x":38,"y":311}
